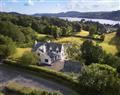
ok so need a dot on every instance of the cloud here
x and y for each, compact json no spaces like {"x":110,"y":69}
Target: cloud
{"x":93,"y":5}
{"x":14,"y":1}
{"x":29,"y":3}
{"x":40,"y":0}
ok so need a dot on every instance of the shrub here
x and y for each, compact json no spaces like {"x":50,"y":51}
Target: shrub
{"x":29,"y":58}
{"x":112,"y":60}
{"x":99,"y":78}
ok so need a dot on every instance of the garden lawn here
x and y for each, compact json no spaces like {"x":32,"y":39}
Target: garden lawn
{"x":19,"y":53}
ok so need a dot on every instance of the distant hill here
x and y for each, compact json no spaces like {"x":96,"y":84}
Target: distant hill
{"x":113,"y":15}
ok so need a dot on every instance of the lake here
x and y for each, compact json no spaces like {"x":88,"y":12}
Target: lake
{"x":102,"y":21}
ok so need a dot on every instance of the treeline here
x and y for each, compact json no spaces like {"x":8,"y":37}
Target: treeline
{"x":45,"y":25}
{"x":48,"y":25}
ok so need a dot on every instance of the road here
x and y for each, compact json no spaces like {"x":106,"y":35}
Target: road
{"x":8,"y":75}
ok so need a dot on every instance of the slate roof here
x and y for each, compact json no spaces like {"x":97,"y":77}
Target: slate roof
{"x":51,"y":49}
{"x":49,"y":46}
{"x":37,"y":46}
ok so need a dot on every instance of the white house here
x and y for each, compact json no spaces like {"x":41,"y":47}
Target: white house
{"x":49,"y":52}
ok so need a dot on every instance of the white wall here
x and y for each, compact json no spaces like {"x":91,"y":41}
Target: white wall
{"x":43,"y":56}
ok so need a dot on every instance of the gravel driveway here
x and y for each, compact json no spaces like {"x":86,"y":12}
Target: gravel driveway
{"x":8,"y":75}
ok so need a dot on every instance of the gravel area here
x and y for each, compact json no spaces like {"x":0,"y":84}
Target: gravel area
{"x":8,"y":75}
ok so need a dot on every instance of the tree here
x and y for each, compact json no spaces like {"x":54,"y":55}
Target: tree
{"x":91,"y":53}
{"x":118,"y":32}
{"x":74,"y":53}
{"x":111,"y":60}
{"x":28,"y":33}
{"x":56,"y":31}
{"x":102,"y":79}
{"x":92,"y":30}
{"x":76,"y":27}
{"x":7,"y":47}
{"x":12,"y":31}
{"x":29,"y":58}
{"x":66,"y":31}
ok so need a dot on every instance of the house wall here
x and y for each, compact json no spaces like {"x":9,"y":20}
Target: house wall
{"x":42,"y":57}
{"x":62,"y":53}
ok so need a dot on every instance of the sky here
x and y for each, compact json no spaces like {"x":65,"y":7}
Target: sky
{"x":56,"y":6}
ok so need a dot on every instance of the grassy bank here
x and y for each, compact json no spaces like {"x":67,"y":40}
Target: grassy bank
{"x":14,"y":88}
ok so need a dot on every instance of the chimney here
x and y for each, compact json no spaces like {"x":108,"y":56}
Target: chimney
{"x":35,"y":42}
{"x":49,"y":41}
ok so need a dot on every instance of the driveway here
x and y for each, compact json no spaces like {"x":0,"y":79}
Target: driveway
{"x":8,"y":75}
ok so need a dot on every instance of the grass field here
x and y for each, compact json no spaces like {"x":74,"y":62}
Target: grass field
{"x":71,"y":40}
{"x":82,"y":33}
{"x":111,"y":44}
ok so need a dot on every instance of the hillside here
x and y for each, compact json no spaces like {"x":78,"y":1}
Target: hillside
{"x":114,"y":15}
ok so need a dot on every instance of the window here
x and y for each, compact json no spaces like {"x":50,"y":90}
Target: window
{"x":46,"y":60}
{"x":38,"y":54}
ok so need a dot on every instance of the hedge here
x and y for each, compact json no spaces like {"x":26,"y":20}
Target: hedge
{"x":46,"y":73}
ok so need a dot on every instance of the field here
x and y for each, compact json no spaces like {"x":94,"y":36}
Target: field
{"x":111,"y":44}
{"x":82,"y":33}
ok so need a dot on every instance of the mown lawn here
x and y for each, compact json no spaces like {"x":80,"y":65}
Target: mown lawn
{"x":19,"y":53}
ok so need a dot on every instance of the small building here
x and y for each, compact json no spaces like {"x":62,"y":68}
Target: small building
{"x":49,"y":52}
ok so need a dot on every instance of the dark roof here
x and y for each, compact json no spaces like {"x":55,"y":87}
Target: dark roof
{"x":37,"y":45}
{"x":53,"y":46}
{"x":49,"y":46}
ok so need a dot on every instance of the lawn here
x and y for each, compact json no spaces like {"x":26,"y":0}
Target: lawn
{"x":71,"y":40}
{"x":111,"y":44}
{"x":20,"y":52}
{"x":43,"y":37}
{"x":82,"y":33}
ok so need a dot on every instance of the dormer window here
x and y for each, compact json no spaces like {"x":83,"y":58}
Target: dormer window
{"x":50,"y":49}
{"x":57,"y":49}
{"x":38,"y":54}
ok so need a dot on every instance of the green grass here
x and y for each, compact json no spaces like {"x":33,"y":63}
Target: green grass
{"x":72,"y":40}
{"x":111,"y":44}
{"x":19,"y":88}
{"x":13,"y":88}
{"x":1,"y":93}
{"x":82,"y":33}
{"x":19,"y":53}
{"x":43,"y":37}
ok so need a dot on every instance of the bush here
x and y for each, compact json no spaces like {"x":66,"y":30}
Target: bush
{"x":102,"y":79}
{"x":111,"y":60}
{"x":29,"y":58}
